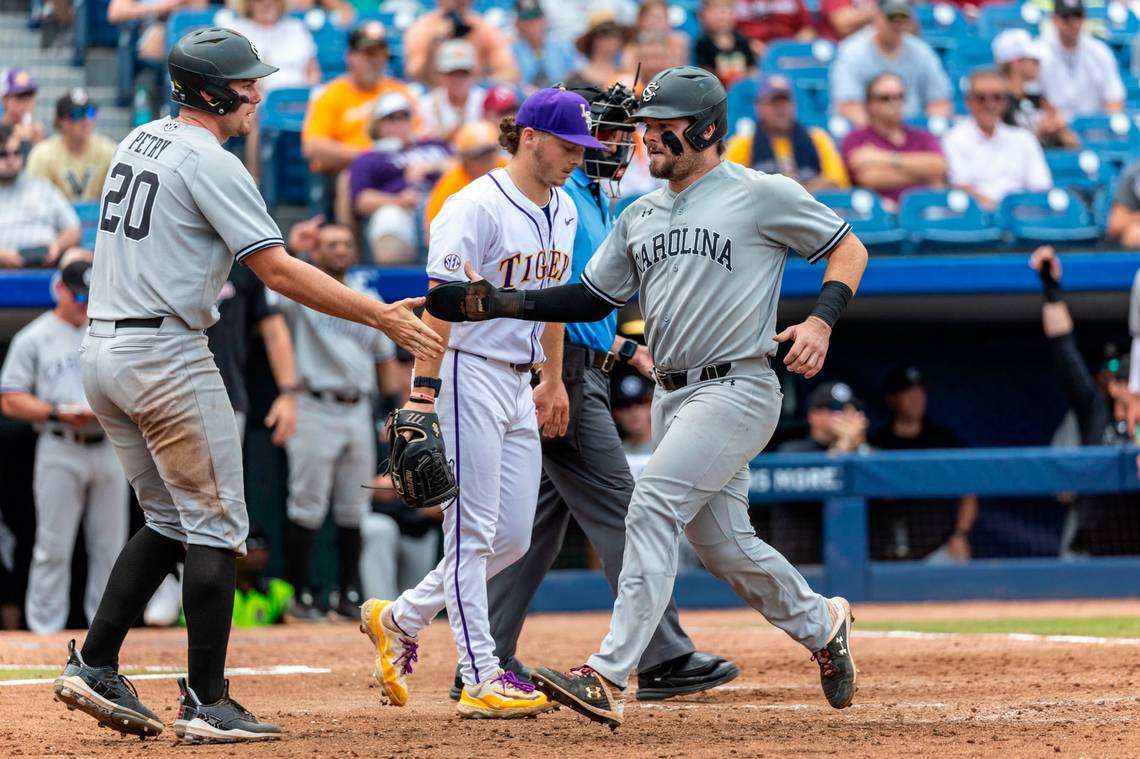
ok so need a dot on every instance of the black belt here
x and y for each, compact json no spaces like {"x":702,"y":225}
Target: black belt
{"x":598,"y":360}
{"x":329,"y":395}
{"x":676,"y":380}
{"x":520,"y":368}
{"x":152,"y":323}
{"x":78,"y":437}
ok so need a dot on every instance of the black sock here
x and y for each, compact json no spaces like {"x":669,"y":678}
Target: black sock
{"x":298,"y":550}
{"x":208,"y":598}
{"x":348,"y":554}
{"x":141,"y":567}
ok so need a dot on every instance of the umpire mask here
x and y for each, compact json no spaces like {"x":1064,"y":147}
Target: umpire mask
{"x":609,"y":124}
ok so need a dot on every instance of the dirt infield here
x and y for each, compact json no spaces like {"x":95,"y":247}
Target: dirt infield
{"x":936,"y":695}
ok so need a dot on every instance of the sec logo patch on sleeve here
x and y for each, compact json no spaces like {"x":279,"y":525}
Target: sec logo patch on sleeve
{"x":452,"y":262}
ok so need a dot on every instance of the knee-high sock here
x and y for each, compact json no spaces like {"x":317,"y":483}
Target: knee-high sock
{"x":142,"y":564}
{"x":348,"y":554}
{"x":298,"y":553}
{"x":208,"y":598}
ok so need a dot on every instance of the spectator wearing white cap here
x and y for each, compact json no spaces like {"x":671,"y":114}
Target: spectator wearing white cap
{"x":387,"y":184}
{"x":456,"y":99}
{"x":988,"y":158}
{"x":1019,"y":58}
{"x":1079,"y":75}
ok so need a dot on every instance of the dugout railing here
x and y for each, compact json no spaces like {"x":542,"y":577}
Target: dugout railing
{"x":845,"y":485}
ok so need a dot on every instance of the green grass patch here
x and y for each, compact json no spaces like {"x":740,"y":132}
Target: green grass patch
{"x":40,"y":673}
{"x":1101,"y":627}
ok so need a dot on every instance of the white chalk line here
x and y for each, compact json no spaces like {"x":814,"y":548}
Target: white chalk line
{"x":171,"y":674}
{"x":1091,"y":640}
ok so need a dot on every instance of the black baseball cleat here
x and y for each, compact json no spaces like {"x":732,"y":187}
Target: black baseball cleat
{"x":224,"y":721}
{"x":304,"y":607}
{"x":585,"y":691}
{"x":836,"y":666}
{"x":106,"y":695}
{"x":691,"y":673}
{"x":347,"y":605}
{"x":510,"y":665}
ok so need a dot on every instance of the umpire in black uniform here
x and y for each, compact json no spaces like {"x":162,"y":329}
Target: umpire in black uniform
{"x":585,"y":473}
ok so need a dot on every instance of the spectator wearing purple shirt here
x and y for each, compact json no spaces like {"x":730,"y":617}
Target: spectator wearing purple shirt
{"x":887,"y":155}
{"x":387,"y":184}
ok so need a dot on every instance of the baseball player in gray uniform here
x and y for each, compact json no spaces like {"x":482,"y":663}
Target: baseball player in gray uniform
{"x":340,"y":366}
{"x":77,"y":477}
{"x":707,"y":253}
{"x":177,"y":211}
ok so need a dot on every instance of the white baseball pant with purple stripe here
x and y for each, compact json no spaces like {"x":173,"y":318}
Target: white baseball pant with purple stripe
{"x":486,"y":412}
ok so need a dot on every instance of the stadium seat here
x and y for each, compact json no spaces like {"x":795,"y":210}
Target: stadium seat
{"x":995,"y":19}
{"x":741,"y":97}
{"x":946,"y":218}
{"x":182,"y":22}
{"x":968,"y":54}
{"x":942,"y":25}
{"x":864,"y":211}
{"x":91,"y":29}
{"x":89,"y":222}
{"x":936,"y":125}
{"x":1045,"y":217}
{"x":1080,"y":170}
{"x":1113,"y":137}
{"x":284,"y":171}
{"x":799,"y":60}
{"x":1102,"y":205}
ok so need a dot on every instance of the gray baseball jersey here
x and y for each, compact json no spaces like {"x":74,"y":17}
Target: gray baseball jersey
{"x":187,"y":210}
{"x":43,"y":360}
{"x":709,"y":261}
{"x":334,"y":354}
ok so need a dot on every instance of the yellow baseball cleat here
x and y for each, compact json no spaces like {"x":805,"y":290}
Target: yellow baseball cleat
{"x":502,"y":697}
{"x":395,"y":652}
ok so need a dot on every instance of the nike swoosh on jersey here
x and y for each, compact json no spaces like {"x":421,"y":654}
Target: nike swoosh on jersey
{"x":569,"y":221}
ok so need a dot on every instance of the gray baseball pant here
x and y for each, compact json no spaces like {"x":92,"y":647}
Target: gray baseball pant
{"x":697,"y":479}
{"x":586,"y":477}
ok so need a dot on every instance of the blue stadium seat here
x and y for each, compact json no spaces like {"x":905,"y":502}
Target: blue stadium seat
{"x":182,"y":22}
{"x":995,"y":19}
{"x":1114,"y":138}
{"x":284,"y":171}
{"x":968,"y":54}
{"x":946,"y":218}
{"x":942,"y":25}
{"x":864,"y":211}
{"x":89,"y":221}
{"x":741,"y":97}
{"x":1080,"y":170}
{"x":799,"y":60}
{"x":936,"y":125}
{"x":1102,"y":205}
{"x":1045,"y":217}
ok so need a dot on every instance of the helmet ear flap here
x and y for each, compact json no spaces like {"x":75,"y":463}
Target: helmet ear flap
{"x":694,"y":133}
{"x":202,"y":93}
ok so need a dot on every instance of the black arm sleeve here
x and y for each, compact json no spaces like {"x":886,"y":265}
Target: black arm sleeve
{"x":565,"y":303}
{"x":1080,"y":387}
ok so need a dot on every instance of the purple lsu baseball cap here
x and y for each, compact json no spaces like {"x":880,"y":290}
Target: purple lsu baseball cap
{"x":559,"y":112}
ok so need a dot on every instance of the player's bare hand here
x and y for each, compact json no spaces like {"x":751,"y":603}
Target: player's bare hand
{"x":810,"y":339}
{"x":1045,"y":256}
{"x":399,"y":323}
{"x":552,"y":406}
{"x":642,"y":362}
{"x":282,"y":418}
{"x":303,"y":234}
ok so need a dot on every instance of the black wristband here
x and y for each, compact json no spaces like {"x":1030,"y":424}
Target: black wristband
{"x":1050,"y":287}
{"x":53,"y":413}
{"x":434,"y":383}
{"x":833,"y":299}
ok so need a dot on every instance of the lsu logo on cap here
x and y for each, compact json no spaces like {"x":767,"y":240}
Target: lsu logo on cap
{"x":586,"y":116}
{"x":650,"y":91}
{"x":452,"y":262}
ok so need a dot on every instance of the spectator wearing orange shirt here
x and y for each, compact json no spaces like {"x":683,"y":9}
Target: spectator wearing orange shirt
{"x":454,"y":19}
{"x":477,"y":148}
{"x":336,"y":125}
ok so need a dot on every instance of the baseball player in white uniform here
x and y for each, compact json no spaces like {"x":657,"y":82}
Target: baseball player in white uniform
{"x":516,"y":226}
{"x":707,"y":253}
{"x":177,"y":211}
{"x":77,"y":477}
{"x":340,"y":366}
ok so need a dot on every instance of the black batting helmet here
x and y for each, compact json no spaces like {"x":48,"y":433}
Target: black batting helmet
{"x":687,"y":92}
{"x":610,"y":111}
{"x":204,"y":62}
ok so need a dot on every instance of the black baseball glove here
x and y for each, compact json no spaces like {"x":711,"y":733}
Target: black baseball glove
{"x":420,"y":471}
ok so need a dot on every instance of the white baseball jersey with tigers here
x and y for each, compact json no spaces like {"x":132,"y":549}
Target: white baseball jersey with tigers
{"x":486,"y":408}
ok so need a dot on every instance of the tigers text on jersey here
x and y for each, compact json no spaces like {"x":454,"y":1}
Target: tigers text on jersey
{"x":511,"y":242}
{"x":177,"y":210}
{"x":709,"y":261}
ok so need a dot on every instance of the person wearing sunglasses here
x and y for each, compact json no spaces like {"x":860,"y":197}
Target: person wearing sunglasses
{"x":889,"y":45}
{"x":888,"y":155}
{"x":75,"y":159}
{"x":988,"y":158}
{"x":36,"y":221}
